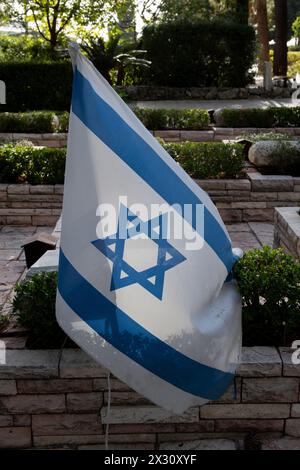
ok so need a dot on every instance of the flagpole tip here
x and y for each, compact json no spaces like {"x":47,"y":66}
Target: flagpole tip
{"x":74,"y":50}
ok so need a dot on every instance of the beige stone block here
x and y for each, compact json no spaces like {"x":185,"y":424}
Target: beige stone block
{"x":88,"y":402}
{"x":292,"y":427}
{"x":19,"y":220}
{"x":147,"y":414}
{"x":245,"y":411}
{"x":66,"y":424}
{"x":18,"y":189}
{"x":295,"y":410}
{"x":265,"y":390}
{"x":33,"y":404}
{"x":46,"y":220}
{"x":55,"y":386}
{"x":289,"y":369}
{"x":8,"y":387}
{"x":126,"y":398}
{"x":258,"y":215}
{"x":248,"y":425}
{"x":41,"y":189}
{"x":30,"y":364}
{"x":15,"y":438}
{"x":260,"y":361}
{"x":77,"y":364}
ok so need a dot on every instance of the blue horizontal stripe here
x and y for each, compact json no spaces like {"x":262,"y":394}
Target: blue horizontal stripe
{"x":109,"y":127}
{"x":129,"y":337}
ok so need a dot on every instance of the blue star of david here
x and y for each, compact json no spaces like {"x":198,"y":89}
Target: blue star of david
{"x":113,"y":247}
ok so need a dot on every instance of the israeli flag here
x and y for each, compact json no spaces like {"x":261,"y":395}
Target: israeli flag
{"x":145,"y":258}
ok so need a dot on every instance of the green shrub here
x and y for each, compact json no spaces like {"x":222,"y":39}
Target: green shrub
{"x":255,"y":117}
{"x":269,"y":282}
{"x":24,"y":48}
{"x":34,"y":165}
{"x":34,"y":307}
{"x":153,"y":119}
{"x":285,"y":159}
{"x":286,"y":116}
{"x":34,"y":122}
{"x":208,"y":160}
{"x":247,"y":117}
{"x":199,"y":53}
{"x":159,"y":119}
{"x":268,"y":279}
{"x":37,"y":86}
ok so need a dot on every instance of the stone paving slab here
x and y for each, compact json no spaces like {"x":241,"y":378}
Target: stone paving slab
{"x":242,"y":227}
{"x":12,"y":259}
{"x":263,"y":231}
{"x":244,"y":240}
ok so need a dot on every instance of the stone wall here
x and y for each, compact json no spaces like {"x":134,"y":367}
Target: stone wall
{"x":251,"y":199}
{"x":287,"y":229}
{"x":145,"y":93}
{"x":25,"y":204}
{"x":44,"y":140}
{"x":54,"y":399}
{"x":212,"y":134}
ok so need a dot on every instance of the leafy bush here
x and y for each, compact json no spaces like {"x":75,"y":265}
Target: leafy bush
{"x":255,"y":117}
{"x":153,"y":119}
{"x":37,"y":85}
{"x":208,"y":160}
{"x":34,"y":165}
{"x":269,"y":282}
{"x":23,"y":48}
{"x":247,"y":117}
{"x":34,"y":306}
{"x":199,"y":53}
{"x":35,"y":121}
{"x":268,"y":279}
{"x":42,"y":165}
{"x":158,"y":119}
{"x":285,"y":159}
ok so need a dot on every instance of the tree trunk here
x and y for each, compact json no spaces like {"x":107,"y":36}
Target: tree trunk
{"x":280,"y":48}
{"x":263,"y":33}
{"x":242,"y":11}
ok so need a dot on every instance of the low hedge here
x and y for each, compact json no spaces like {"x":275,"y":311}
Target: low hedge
{"x":269,"y":282}
{"x":282,"y":159}
{"x":153,"y":119}
{"x":34,"y":122}
{"x":33,"y":165}
{"x":34,"y":307}
{"x":208,"y":159}
{"x":160,"y":119}
{"x":256,"y":117}
{"x":42,"y":165}
{"x":268,"y":279}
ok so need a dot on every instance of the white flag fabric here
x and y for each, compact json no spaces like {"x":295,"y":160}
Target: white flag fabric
{"x":155,"y":308}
